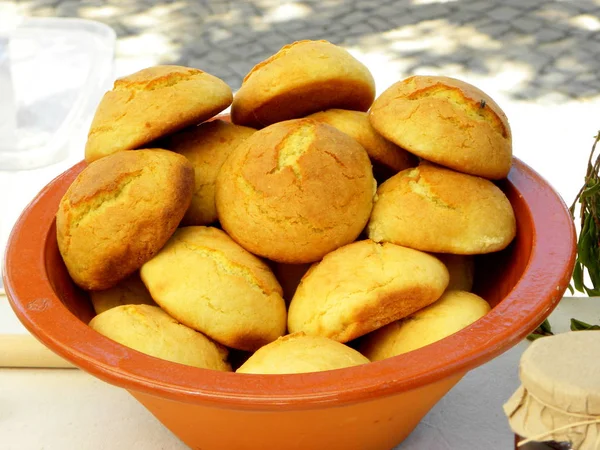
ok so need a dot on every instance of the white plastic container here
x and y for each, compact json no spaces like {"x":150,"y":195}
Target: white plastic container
{"x":53,"y":73}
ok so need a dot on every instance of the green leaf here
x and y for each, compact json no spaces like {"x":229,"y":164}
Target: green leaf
{"x":590,"y":190}
{"x":543,"y":330}
{"x":578,"y":277}
{"x":595,"y":277}
{"x":587,"y":263}
{"x":586,"y":239}
{"x":578,"y":325}
{"x":546,"y":327}
{"x":534,"y":336}
{"x":585,"y":242}
{"x":592,"y":292}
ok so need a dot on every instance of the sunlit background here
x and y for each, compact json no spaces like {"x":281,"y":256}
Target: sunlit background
{"x":532,"y":48}
{"x":540,"y":59}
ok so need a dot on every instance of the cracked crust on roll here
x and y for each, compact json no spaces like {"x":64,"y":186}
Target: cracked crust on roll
{"x":300,"y":79}
{"x":295,"y":191}
{"x":150,"y":330}
{"x":207,"y":146}
{"x":152,"y":103}
{"x":434,"y":209}
{"x":446,"y":121}
{"x":388,"y":159}
{"x":206,"y":281}
{"x":363,"y":286}
{"x":119,"y":212}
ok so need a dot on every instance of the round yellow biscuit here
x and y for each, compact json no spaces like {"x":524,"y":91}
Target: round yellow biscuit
{"x":454,"y":311}
{"x":434,"y":209}
{"x":207,"y":146}
{"x":302,"y":78}
{"x":295,"y":191}
{"x":299,"y":353}
{"x":130,"y":291}
{"x":149,"y":330}
{"x":206,"y":281}
{"x":387,"y":158}
{"x":447,"y":121}
{"x":364,"y":286}
{"x":152,"y":103}
{"x":119,"y":212}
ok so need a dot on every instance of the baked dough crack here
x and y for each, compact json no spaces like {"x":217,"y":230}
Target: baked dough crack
{"x":100,"y":202}
{"x":420,"y":187}
{"x":470,"y":107}
{"x":291,"y":149}
{"x":333,"y":299}
{"x":247,"y":187}
{"x":225,"y":265}
{"x":160,"y":82}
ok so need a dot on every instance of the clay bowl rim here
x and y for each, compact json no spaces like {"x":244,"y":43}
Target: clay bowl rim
{"x":531,"y":300}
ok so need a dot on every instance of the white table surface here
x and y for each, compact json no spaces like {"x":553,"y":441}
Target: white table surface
{"x":61,"y":409}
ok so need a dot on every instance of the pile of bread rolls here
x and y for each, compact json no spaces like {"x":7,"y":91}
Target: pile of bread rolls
{"x":321,"y":228}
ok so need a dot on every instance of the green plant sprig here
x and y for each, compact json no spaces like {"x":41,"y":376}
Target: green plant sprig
{"x":588,"y":243}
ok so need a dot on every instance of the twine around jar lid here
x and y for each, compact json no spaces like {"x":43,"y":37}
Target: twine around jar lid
{"x":559,"y":398}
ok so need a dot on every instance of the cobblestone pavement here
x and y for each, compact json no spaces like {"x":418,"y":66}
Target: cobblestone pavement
{"x":538,"y":58}
{"x":555,"y":44}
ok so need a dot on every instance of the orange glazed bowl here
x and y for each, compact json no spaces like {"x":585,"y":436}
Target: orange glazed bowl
{"x":369,"y":407}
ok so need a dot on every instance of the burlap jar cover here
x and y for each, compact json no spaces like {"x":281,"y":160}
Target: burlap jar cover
{"x":559,"y":399}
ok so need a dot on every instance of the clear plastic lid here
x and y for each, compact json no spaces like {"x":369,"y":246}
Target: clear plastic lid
{"x":52,"y":74}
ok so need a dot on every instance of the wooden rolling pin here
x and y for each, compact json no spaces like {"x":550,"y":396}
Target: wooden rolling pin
{"x":23,"y":350}
{"x":18,"y":348}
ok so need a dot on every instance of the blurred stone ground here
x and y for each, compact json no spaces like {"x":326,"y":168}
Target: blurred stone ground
{"x":554,"y":45}
{"x":540,"y":59}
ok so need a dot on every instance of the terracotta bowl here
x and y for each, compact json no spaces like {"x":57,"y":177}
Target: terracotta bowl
{"x":374,"y":406}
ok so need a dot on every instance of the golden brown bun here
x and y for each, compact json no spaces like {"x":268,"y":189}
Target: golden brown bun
{"x":119,"y":212}
{"x":364,"y":286}
{"x":207,"y":146}
{"x":289,"y":276}
{"x":387,"y":158}
{"x":454,"y":311}
{"x":302,"y":78}
{"x":438,"y":210}
{"x":461,"y":269}
{"x":299,"y":353}
{"x":206,"y":281}
{"x":130,"y":291}
{"x":446,"y":121}
{"x":295,"y":191}
{"x":152,"y":103}
{"x":148,"y":329}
